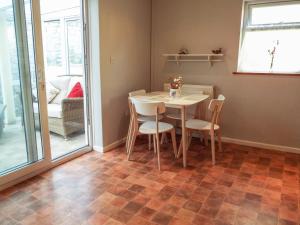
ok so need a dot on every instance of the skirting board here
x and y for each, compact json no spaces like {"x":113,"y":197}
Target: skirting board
{"x":224,"y":139}
{"x":261,"y":145}
{"x":110,"y":147}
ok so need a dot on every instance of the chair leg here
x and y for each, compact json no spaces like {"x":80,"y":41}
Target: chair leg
{"x":128,"y":139}
{"x":205,"y":138}
{"x":189,"y":139}
{"x":131,"y":146}
{"x":154,"y":144}
{"x":158,"y":150}
{"x":162,"y":138}
{"x":179,"y":149}
{"x":149,"y":142}
{"x":213,"y":152}
{"x":220,"y":141}
{"x":173,"y":136}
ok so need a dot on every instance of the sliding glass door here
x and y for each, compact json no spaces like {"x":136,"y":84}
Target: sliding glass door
{"x":65,"y":74}
{"x":20,"y":134}
{"x":43,"y":86}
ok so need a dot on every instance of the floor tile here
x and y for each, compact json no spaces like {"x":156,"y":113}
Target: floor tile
{"x":247,"y":186}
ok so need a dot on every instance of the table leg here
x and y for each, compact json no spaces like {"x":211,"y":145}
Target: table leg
{"x":183,"y":132}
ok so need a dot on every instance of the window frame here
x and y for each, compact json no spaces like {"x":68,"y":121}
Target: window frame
{"x":245,"y":26}
{"x":268,"y":26}
{"x":64,"y":40}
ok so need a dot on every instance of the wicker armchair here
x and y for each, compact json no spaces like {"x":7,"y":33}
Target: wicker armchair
{"x":72,"y":117}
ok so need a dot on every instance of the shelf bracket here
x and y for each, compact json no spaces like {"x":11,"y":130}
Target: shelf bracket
{"x":177,"y":60}
{"x":210,"y":62}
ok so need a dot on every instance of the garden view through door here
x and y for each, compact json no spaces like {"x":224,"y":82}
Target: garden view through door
{"x":62,"y":27}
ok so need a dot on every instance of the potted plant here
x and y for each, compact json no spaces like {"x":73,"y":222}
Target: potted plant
{"x":175,"y":86}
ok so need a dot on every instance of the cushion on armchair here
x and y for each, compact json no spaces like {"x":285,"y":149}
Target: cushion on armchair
{"x":61,"y":83}
{"x":51,"y":92}
{"x":76,"y":91}
{"x":54,"y":110}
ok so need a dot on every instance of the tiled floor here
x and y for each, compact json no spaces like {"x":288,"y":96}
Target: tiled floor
{"x":247,"y":186}
{"x":13,"y":146}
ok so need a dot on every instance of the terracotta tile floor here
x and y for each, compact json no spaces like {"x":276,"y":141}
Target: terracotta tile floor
{"x":247,"y":186}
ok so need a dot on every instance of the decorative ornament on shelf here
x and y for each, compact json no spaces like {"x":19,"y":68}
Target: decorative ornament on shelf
{"x":217,"y":51}
{"x":272,"y":53}
{"x":175,"y":86}
{"x":183,"y":51}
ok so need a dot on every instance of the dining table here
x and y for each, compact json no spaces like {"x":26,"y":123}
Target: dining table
{"x":182,"y":102}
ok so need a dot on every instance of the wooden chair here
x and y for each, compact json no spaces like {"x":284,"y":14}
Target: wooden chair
{"x":194,"y":112}
{"x":140,"y":118}
{"x":211,"y":127}
{"x":153,"y":128}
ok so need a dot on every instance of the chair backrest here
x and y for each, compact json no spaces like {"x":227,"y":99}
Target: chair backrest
{"x":215,"y":106}
{"x":149,"y":108}
{"x":132,"y":94}
{"x":137,"y":93}
{"x":197,"y":89}
{"x":194,"y":89}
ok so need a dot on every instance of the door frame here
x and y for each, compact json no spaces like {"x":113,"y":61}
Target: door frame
{"x":30,"y":170}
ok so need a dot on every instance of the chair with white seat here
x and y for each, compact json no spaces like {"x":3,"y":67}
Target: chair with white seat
{"x":212,"y":127}
{"x":140,"y":118}
{"x":153,"y":128}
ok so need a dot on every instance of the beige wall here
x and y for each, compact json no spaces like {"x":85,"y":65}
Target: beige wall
{"x":258,"y":108}
{"x":125,"y":60}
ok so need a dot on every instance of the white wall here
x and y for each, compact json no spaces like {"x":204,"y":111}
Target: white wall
{"x":258,"y":108}
{"x":125,"y":60}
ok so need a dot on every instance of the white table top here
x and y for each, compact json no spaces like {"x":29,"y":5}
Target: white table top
{"x":183,"y":100}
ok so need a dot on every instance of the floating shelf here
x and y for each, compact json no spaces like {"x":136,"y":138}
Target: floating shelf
{"x":210,"y":58}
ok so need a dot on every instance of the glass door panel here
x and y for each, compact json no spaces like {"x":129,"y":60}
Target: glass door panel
{"x":20,"y":141}
{"x":62,"y":27}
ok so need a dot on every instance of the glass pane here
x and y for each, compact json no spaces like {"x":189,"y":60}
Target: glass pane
{"x":274,"y":14}
{"x":74,"y":46}
{"x":34,"y":82}
{"x":53,"y":47}
{"x":66,"y":114}
{"x":255,"y":55}
{"x":18,"y":146}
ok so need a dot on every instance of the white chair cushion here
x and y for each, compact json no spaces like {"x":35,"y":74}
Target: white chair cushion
{"x":51,"y":92}
{"x":199,"y":125}
{"x":54,"y":110}
{"x":150,"y":127}
{"x":61,"y":83}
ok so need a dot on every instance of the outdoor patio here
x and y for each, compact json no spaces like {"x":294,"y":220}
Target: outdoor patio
{"x":13,"y":151}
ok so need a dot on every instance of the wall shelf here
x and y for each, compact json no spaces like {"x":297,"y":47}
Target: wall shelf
{"x":210,"y":58}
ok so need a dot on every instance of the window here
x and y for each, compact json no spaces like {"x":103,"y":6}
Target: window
{"x":54,"y":43}
{"x":74,"y":46}
{"x":63,"y":46}
{"x":270,"y":37}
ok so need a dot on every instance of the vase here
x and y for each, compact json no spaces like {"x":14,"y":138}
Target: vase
{"x":175,"y":93}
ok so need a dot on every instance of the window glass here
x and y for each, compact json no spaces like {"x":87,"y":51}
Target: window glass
{"x":268,"y":48}
{"x":53,"y":47}
{"x":265,"y":14}
{"x":74,"y":46}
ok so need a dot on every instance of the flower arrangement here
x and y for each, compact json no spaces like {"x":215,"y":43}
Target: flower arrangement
{"x":175,"y":85}
{"x":176,"y":82}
